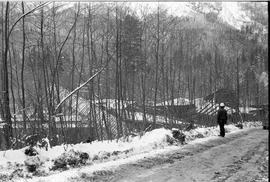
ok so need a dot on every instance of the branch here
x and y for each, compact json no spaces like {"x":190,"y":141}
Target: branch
{"x":23,"y":15}
{"x":78,"y":88}
{"x":61,"y":48}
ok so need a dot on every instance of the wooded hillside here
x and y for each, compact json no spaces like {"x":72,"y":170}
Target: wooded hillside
{"x":147,"y":57}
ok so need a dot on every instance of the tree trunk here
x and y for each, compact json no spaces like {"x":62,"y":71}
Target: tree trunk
{"x":22,"y":69}
{"x":5,"y":84}
{"x":156,"y":70}
{"x":237,"y":83}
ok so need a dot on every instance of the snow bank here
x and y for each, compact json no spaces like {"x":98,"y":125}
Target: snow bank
{"x":158,"y":138}
{"x":103,"y":151}
{"x":207,"y":131}
{"x":214,"y":131}
{"x":255,"y":124}
{"x":98,"y":152}
{"x":12,"y":156}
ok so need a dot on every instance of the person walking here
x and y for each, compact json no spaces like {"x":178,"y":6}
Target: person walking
{"x":222,"y":119}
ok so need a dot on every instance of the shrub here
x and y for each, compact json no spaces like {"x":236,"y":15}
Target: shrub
{"x":30,"y":151}
{"x":72,"y":158}
{"x":239,"y":125}
{"x":33,"y":163}
{"x":179,"y":136}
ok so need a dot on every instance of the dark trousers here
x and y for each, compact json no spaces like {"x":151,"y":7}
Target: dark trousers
{"x":222,"y":129}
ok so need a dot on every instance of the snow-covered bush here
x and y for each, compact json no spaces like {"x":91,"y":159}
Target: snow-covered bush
{"x":239,"y":125}
{"x":178,"y":135}
{"x":104,"y":155}
{"x":33,"y":162}
{"x":30,"y":151}
{"x":199,"y":135}
{"x":71,"y":158}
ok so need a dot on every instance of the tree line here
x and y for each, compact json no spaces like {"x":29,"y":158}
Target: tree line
{"x":147,"y":57}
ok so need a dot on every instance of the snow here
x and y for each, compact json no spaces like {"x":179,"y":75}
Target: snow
{"x":126,"y":146}
{"x":247,"y":109}
{"x":149,"y":118}
{"x":240,"y":156}
{"x":206,"y":107}
{"x":2,"y":124}
{"x":199,"y":102}
{"x":112,"y":103}
{"x":8,"y":156}
{"x":201,"y":105}
{"x":108,"y":153}
{"x":233,"y":15}
{"x":176,"y":101}
{"x":231,"y":12}
{"x":110,"y":165}
{"x":264,"y":78}
{"x":214,"y":131}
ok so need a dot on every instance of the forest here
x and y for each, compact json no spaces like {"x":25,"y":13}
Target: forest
{"x":96,"y":71}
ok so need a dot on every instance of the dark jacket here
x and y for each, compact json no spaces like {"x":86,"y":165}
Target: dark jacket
{"x":222,"y":116}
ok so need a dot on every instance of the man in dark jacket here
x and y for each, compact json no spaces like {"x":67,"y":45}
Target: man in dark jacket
{"x":222,"y":119}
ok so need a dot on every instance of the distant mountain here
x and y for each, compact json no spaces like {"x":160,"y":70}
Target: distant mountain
{"x":231,"y":13}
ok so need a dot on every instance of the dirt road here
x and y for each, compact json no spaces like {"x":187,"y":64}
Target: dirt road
{"x":237,"y":157}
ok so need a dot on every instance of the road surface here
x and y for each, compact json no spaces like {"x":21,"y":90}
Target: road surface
{"x":238,"y":157}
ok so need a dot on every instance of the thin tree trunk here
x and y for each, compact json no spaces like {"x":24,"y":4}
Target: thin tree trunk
{"x":22,"y":69}
{"x":117,"y":74}
{"x":237,"y":83}
{"x":44,"y":73}
{"x":120,"y":84}
{"x":73,"y":67}
{"x":108,"y":128}
{"x":80,"y":74}
{"x":53,"y":88}
{"x":5,"y":84}
{"x":100,"y":113}
{"x":12,"y":93}
{"x":156,"y":70}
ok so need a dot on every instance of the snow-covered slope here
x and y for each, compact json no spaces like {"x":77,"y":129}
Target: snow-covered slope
{"x":176,"y":101}
{"x":231,"y":13}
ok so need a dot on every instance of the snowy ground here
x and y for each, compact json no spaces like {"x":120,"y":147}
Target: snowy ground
{"x":105,"y":155}
{"x":239,"y":157}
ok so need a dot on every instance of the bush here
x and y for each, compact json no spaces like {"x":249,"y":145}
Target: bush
{"x":116,"y":152}
{"x":181,"y":137}
{"x":59,"y":163}
{"x":37,"y":140}
{"x":84,"y":157}
{"x":170,"y":140}
{"x":72,"y":158}
{"x":33,"y":163}
{"x":95,"y":157}
{"x":30,"y":151}
{"x":199,"y":135}
{"x":104,"y":155}
{"x":239,"y":125}
{"x":16,"y":173}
